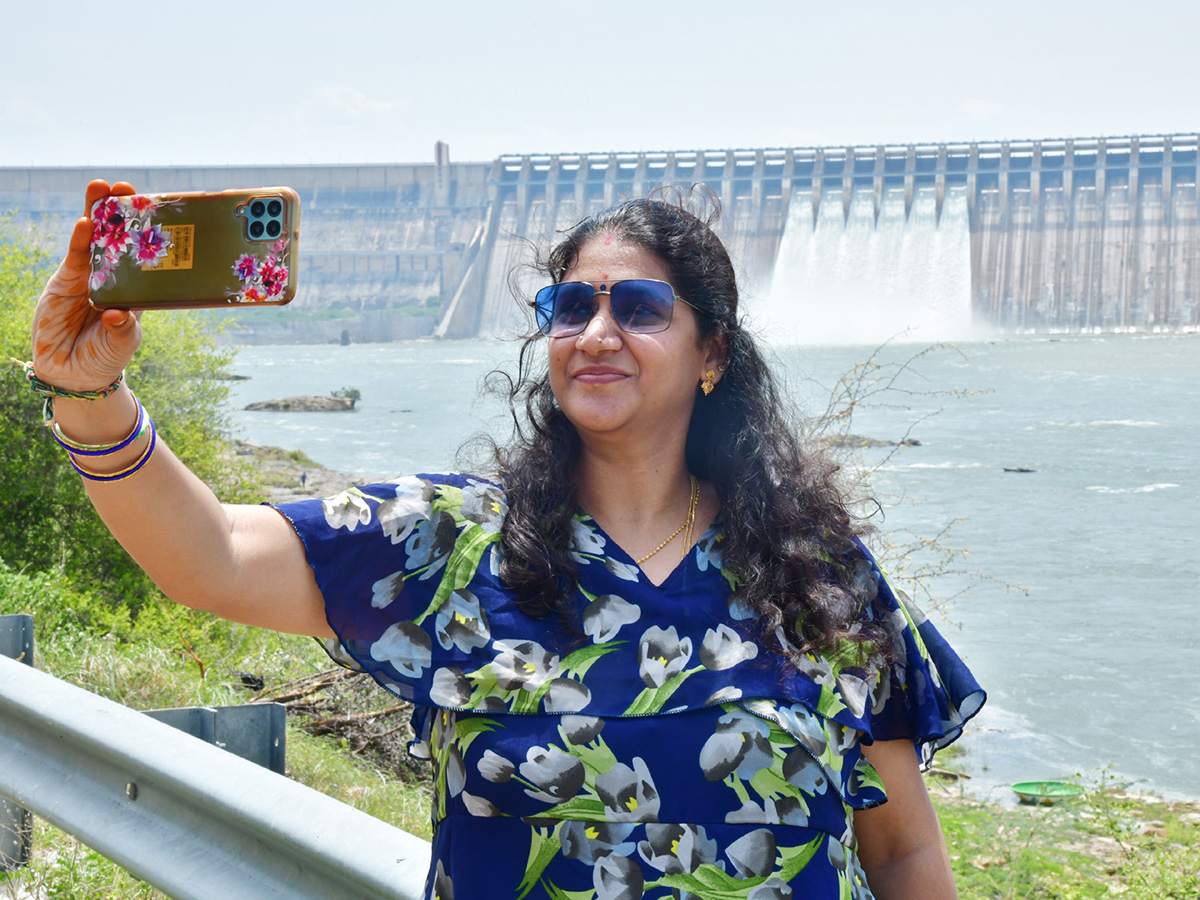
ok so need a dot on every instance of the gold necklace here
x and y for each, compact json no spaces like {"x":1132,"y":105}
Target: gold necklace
{"x":689,"y":524}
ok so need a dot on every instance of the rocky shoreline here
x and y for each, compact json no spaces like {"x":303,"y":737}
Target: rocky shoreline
{"x":290,"y":475}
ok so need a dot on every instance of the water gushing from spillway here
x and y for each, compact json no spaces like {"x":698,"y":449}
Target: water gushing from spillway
{"x":852,"y":280}
{"x":513,"y":278}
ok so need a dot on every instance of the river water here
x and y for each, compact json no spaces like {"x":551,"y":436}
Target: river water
{"x":1075,"y":601}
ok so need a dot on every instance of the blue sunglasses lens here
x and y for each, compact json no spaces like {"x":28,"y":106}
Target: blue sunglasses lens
{"x":639,"y":306}
{"x":565,"y":309}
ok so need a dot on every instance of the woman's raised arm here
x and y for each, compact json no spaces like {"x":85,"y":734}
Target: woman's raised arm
{"x":240,"y":562}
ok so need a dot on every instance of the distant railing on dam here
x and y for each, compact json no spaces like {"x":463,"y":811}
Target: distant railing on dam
{"x":1096,"y":234}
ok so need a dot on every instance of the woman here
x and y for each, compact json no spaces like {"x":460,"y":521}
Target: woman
{"x":649,"y":658}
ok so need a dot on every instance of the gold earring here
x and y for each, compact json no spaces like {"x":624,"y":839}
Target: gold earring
{"x":707,"y":384}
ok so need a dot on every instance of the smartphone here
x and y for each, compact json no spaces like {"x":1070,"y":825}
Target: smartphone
{"x":195,"y":250}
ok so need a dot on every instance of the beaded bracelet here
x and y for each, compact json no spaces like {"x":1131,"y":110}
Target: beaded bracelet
{"x":124,"y":473}
{"x":76,"y":448}
{"x":49,"y":391}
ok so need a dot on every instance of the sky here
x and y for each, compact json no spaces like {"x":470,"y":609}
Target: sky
{"x":226,"y":83}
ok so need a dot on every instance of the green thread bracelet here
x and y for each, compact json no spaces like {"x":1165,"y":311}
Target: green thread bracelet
{"x":49,"y":391}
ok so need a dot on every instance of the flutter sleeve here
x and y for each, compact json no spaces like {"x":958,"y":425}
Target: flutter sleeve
{"x":919,"y":690}
{"x":927,"y":694}
{"x":389,"y":560}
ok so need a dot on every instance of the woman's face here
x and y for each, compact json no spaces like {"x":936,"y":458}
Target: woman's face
{"x":613,"y":384}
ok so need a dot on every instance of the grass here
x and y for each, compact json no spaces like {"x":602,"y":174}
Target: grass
{"x":1108,"y":843}
{"x":327,"y":766}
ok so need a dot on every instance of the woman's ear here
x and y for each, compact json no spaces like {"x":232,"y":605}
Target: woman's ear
{"x":716,"y":355}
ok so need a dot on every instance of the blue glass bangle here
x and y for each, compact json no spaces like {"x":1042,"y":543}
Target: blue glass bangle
{"x":124,"y":473}
{"x":139,"y":428}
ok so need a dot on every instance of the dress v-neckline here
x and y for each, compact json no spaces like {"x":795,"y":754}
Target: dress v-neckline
{"x":613,"y":548}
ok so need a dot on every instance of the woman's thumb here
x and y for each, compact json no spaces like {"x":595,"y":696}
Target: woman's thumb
{"x":121,"y":325}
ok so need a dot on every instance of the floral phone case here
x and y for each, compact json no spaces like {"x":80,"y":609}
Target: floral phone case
{"x":195,"y":250}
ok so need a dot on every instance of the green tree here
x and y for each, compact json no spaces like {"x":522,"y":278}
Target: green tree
{"x":178,"y":374}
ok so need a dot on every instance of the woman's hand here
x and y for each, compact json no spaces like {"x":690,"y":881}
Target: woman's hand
{"x":75,"y":346}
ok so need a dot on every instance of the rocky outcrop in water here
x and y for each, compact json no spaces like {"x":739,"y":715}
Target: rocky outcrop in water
{"x":304,"y":403}
{"x":858,"y":442}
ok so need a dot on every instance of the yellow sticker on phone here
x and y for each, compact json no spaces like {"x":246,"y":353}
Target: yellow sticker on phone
{"x":180,"y":250}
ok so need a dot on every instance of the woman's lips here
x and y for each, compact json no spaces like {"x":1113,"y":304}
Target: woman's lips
{"x":599,"y":375}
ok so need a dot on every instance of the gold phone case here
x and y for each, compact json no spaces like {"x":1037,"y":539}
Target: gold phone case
{"x":196,"y":249}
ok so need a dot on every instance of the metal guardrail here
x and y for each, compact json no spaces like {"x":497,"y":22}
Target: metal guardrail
{"x":185,"y":816}
{"x":253,"y":731}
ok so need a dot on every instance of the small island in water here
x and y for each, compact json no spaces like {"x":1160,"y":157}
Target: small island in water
{"x":304,"y":403}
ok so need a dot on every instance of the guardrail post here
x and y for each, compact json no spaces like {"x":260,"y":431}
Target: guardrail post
{"x":16,"y":823}
{"x":253,"y":731}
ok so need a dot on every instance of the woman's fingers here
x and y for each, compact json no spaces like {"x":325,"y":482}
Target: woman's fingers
{"x":63,"y":312}
{"x":79,"y":251}
{"x":96,"y":190}
{"x":123,"y":333}
{"x":116,"y":319}
{"x":99,"y":189}
{"x":75,"y":346}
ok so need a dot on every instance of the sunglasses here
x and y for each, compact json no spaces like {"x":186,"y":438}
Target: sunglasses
{"x":639,"y":306}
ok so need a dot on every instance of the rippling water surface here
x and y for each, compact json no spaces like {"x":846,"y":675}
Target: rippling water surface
{"x":1079,"y":615}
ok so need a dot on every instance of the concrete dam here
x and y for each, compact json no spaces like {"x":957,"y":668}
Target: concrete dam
{"x":840,"y":244}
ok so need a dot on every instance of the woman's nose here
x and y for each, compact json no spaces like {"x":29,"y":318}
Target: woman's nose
{"x":601,"y":331}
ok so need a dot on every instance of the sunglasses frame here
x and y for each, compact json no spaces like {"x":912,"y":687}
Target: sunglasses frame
{"x":605,"y":287}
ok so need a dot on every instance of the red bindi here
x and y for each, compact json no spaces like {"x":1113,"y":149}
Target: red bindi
{"x":608,"y":240}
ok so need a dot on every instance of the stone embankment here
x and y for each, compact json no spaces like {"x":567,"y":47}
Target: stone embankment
{"x":377,"y":326}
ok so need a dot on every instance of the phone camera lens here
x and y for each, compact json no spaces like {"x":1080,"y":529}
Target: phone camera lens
{"x":274,"y":208}
{"x":256,"y":229}
{"x":257,"y":208}
{"x":273,"y":229}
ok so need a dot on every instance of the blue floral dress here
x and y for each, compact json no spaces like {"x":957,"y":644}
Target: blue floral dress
{"x":659,"y":751}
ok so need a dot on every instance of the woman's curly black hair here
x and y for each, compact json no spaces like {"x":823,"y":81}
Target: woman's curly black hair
{"x":785,"y":522}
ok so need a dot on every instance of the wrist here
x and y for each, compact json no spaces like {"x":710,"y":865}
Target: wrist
{"x":99,"y":445}
{"x":106,"y":420}
{"x":52,"y":392}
